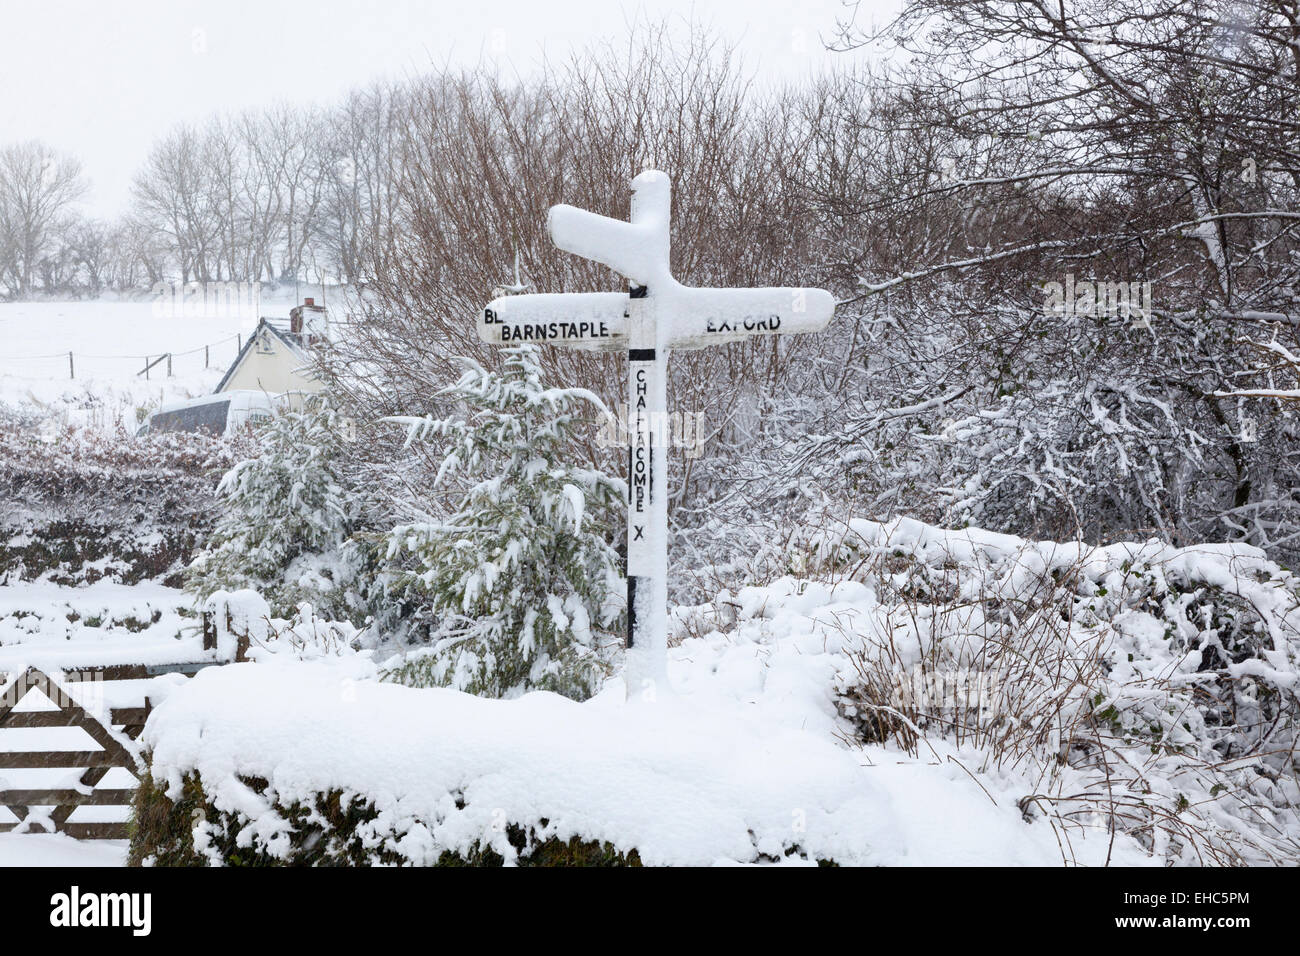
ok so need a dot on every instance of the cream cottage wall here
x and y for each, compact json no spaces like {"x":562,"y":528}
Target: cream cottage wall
{"x":271,"y":362}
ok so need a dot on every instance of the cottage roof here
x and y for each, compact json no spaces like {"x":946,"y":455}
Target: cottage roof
{"x":291,"y":340}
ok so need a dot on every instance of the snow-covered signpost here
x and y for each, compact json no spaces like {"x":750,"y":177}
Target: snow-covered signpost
{"x":657,"y":315}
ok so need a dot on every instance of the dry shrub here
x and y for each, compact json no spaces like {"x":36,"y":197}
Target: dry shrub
{"x":1139,"y":688}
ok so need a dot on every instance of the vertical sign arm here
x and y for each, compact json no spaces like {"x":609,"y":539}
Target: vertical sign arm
{"x":647,"y":528}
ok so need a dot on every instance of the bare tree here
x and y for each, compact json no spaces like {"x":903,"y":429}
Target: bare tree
{"x":142,"y":255}
{"x":290,"y":148}
{"x":37,"y":185}
{"x":172,"y":195}
{"x":92,"y":244}
{"x":363,"y":141}
{"x":1102,"y":143}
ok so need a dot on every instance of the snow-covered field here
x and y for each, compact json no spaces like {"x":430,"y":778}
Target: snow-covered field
{"x":111,"y":342}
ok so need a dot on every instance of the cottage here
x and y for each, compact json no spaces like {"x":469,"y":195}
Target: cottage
{"x":270,"y":372}
{"x":274,"y":358}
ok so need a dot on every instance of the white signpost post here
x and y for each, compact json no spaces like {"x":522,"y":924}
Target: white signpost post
{"x":657,"y":315}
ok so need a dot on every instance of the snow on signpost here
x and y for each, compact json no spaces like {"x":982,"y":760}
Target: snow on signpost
{"x":657,"y":315}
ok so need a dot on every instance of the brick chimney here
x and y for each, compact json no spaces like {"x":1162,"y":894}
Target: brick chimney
{"x":302,"y":320}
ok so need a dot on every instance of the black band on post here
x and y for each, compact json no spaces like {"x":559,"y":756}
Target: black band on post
{"x":640,"y":355}
{"x":631,"y":609}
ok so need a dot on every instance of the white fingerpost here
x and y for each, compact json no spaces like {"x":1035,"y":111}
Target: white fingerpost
{"x":647,"y":521}
{"x":656,"y":315}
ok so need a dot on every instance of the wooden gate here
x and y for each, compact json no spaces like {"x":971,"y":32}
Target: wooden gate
{"x":97,"y":763}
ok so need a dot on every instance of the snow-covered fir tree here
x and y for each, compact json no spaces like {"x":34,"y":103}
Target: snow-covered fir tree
{"x":521,"y":581}
{"x":287,"y":517}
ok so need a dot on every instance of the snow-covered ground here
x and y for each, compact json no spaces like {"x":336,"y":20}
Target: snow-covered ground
{"x":45,"y":619}
{"x":744,"y":755}
{"x":755,"y":748}
{"x":783,"y":733}
{"x":55,"y":849}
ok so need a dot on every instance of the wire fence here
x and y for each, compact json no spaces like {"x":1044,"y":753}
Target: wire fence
{"x":83,"y":365}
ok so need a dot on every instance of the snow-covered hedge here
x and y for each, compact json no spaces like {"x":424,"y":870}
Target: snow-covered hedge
{"x":278,"y":757}
{"x":81,"y":505}
{"x":1149,"y":688}
{"x":335,"y":829}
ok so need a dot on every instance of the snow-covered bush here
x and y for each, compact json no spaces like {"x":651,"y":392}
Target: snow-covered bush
{"x":1149,"y":689}
{"x":295,"y":762}
{"x":520,"y":583}
{"x":288,"y":514}
{"x":244,"y":629}
{"x":307,"y":636}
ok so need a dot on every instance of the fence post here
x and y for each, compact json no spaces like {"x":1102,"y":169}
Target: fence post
{"x":169,"y":364}
{"x":209,"y":630}
{"x":147,"y":366}
{"x":71,"y":371}
{"x":205,"y":356}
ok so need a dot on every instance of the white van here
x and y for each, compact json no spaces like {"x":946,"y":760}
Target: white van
{"x":219,"y":414}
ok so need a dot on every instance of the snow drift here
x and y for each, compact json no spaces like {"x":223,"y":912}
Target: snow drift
{"x":679,"y":781}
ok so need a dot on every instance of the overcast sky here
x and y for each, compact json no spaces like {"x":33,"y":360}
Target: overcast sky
{"x":103,"y":78}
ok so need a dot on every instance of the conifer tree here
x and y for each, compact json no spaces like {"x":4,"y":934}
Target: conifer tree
{"x":287,"y":517}
{"x":520,"y":582}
